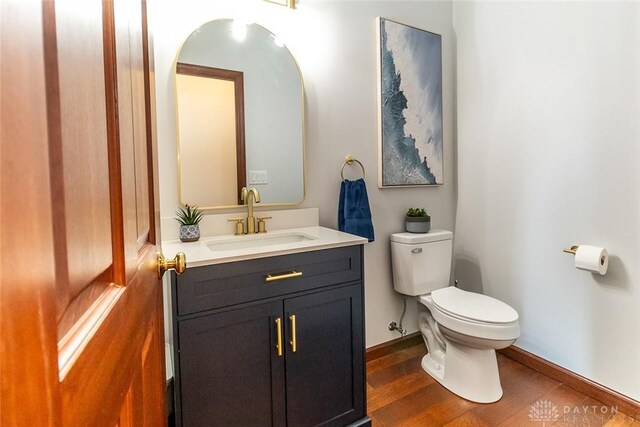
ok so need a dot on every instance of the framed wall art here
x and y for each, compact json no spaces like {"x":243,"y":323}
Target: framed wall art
{"x":410,"y":106}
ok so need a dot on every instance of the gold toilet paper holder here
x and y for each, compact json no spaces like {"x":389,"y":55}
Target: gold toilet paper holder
{"x":572,"y":250}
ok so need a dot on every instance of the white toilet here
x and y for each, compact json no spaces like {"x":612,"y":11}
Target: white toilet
{"x":462,"y":330}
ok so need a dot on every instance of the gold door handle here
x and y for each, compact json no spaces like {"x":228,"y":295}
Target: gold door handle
{"x":291,"y":275}
{"x":294,"y":341}
{"x":179,"y":264}
{"x":279,"y":335}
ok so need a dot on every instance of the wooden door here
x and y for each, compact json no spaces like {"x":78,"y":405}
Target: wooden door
{"x":80,"y":301}
{"x":230,"y":370}
{"x":325,"y":373}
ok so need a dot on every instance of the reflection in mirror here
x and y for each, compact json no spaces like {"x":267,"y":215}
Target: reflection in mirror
{"x":240,"y":117}
{"x":211,"y":102}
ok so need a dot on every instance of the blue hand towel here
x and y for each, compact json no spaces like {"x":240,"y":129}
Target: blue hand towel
{"x":354,"y":214}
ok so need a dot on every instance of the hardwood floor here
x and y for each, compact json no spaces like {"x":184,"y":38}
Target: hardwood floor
{"x":400,"y":393}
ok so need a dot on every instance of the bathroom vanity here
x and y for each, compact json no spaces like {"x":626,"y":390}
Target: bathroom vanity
{"x":269,"y":330}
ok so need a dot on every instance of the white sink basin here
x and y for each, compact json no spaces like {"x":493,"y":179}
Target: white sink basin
{"x":257,"y":241}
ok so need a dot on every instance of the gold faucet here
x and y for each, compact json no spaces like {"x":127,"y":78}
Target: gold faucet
{"x":249,"y":197}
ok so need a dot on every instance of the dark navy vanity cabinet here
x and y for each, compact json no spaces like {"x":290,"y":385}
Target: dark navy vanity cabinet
{"x":275,"y":341}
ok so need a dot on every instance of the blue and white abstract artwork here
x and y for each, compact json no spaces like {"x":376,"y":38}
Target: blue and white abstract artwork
{"x":410,"y":106}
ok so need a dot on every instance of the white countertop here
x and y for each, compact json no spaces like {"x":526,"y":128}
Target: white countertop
{"x":199,"y":254}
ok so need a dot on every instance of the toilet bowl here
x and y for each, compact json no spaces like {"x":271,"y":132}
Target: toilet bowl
{"x":461,"y":329}
{"x":462,"y":341}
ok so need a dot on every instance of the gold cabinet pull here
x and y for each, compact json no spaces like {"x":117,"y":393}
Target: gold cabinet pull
{"x":179,"y":264}
{"x":294,"y":341}
{"x":279,"y":335}
{"x":293,"y":274}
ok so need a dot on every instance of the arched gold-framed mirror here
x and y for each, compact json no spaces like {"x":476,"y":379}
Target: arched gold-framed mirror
{"x":216,"y":129}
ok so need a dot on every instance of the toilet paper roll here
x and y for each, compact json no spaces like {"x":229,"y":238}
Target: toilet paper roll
{"x":592,"y":258}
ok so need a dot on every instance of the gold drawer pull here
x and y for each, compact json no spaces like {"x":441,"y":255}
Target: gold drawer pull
{"x":279,"y":335}
{"x":291,"y":275}
{"x":294,"y":341}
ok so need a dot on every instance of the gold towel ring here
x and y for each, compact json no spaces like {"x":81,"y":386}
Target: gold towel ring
{"x":349,"y":161}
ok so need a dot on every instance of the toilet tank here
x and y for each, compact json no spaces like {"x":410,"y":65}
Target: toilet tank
{"x":421,"y":262}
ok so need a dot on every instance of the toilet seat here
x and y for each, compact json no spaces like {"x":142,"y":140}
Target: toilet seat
{"x":473,"y":307}
{"x":460,"y":314}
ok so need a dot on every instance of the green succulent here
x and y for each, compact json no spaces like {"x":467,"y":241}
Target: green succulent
{"x":189,"y":215}
{"x":417,"y":212}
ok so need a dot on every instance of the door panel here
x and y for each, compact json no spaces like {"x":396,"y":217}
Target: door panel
{"x":325,"y":371}
{"x":132,"y":133}
{"x":139,"y":121}
{"x":81,"y":323}
{"x":79,"y":173}
{"x":118,"y":23}
{"x":27,"y":265}
{"x":229,"y":368}
{"x":143,"y":401}
{"x":111,"y":358}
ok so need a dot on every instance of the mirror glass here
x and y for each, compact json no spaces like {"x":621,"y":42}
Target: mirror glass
{"x":240,"y":117}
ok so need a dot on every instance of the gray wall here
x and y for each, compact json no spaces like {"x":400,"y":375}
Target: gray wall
{"x":548,"y":108}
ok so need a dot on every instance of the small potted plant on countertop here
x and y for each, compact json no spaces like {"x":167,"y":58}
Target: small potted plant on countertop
{"x":189,"y":218}
{"x":417,"y":221}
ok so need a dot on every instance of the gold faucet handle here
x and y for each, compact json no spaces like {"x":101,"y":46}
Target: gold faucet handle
{"x":262,"y":227}
{"x":239,"y":225}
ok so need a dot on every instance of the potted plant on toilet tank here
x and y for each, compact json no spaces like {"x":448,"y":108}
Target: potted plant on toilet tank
{"x":189,"y":218}
{"x":417,"y":221}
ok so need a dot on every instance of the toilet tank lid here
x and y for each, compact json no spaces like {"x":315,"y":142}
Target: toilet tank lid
{"x":417,"y":238}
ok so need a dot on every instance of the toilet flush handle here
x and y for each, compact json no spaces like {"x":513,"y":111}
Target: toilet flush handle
{"x":416,"y":250}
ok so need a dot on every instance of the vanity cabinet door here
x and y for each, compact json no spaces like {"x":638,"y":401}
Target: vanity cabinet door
{"x":325,"y":373}
{"x":230,"y":372}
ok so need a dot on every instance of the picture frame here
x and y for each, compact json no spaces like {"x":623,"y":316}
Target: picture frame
{"x":410,"y":123}
{"x":288,"y":3}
